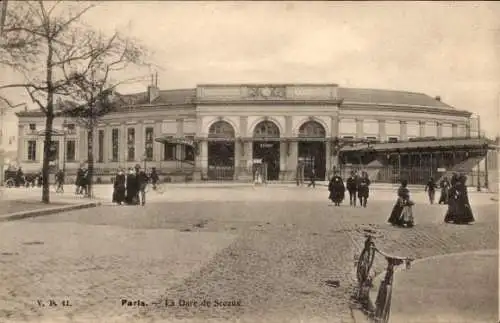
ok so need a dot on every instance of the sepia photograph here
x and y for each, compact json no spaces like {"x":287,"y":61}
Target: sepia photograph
{"x":249,"y":161}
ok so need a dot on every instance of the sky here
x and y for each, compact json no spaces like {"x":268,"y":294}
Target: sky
{"x":450,"y":49}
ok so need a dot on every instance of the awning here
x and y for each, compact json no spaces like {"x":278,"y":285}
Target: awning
{"x":176,"y":140}
{"x":422,"y":145}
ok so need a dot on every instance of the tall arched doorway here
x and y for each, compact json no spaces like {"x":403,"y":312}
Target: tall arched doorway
{"x":266,"y":148}
{"x":221,"y":151}
{"x":312,"y":148}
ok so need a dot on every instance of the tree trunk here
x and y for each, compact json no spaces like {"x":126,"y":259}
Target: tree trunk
{"x":46,"y":159}
{"x":90,"y":147}
{"x":48,"y":125}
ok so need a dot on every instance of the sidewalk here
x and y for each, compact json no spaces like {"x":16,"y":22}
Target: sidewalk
{"x":20,"y":203}
{"x":458,"y":288}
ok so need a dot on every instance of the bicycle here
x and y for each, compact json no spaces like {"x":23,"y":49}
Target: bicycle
{"x":384,"y":295}
{"x":365,"y":263}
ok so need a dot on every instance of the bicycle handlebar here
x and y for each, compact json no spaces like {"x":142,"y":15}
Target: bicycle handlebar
{"x":388,"y":256}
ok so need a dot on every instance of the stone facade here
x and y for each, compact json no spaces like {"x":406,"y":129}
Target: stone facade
{"x":339,"y":112}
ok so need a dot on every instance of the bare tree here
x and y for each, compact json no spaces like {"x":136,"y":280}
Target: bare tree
{"x":93,"y":86}
{"x":60,"y":58}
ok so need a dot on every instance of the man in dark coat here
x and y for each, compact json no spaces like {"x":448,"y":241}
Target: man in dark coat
{"x":60,"y":181}
{"x":142,"y":181}
{"x":430,"y":188}
{"x":364,"y":189}
{"x":80,"y":173}
{"x":352,"y":186}
{"x":154,"y":177}
{"x":312,"y":177}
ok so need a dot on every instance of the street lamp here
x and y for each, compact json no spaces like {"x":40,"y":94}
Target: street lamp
{"x":65,"y":133}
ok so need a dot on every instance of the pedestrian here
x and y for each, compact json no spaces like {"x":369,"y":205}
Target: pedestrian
{"x":300,"y":173}
{"x":131,"y":189}
{"x":459,"y":209}
{"x":352,"y":185}
{"x":337,"y":189}
{"x":312,"y":177}
{"x":154,"y":177}
{"x":430,"y":188}
{"x":80,"y":173}
{"x":19,"y":179}
{"x":119,"y":188}
{"x":84,"y":182}
{"x":445,"y":187}
{"x":363,"y":189}
{"x":142,"y":182}
{"x":60,"y":181}
{"x":402,"y":212}
{"x":40,"y":179}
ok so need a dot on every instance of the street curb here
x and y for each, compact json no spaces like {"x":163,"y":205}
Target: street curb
{"x":372,"y":295}
{"x":48,"y":211}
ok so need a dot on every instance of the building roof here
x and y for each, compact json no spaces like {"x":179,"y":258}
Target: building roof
{"x":347,"y":95}
{"x":374,"y":96}
{"x":177,"y":96}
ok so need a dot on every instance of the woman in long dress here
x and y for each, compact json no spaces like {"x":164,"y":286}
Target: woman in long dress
{"x":459,"y":209}
{"x":337,"y":189}
{"x":402,"y":212}
{"x":119,"y":188}
{"x":131,"y":189}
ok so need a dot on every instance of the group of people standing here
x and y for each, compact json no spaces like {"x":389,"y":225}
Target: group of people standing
{"x":453,"y":193}
{"x":130,"y":188}
{"x":357,"y":186}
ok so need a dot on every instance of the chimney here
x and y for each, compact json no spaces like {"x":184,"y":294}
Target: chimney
{"x":438,"y":98}
{"x":153,"y":90}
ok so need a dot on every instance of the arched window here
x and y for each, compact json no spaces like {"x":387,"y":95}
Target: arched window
{"x":312,"y":129}
{"x":266,"y":129}
{"x":221,"y":129}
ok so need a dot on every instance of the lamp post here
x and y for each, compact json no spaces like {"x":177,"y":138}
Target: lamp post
{"x":65,"y":134}
{"x":479,"y":164}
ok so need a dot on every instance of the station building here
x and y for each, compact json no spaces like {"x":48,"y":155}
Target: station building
{"x":228,"y":131}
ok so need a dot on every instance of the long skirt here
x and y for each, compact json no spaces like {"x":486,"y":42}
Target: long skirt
{"x":119,"y":195}
{"x":337,"y":195}
{"x":401,"y":215}
{"x":131,"y":197}
{"x":459,"y":213}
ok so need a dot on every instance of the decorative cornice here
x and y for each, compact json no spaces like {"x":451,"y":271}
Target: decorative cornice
{"x":269,"y":102}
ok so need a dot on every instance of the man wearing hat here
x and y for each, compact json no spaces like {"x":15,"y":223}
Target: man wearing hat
{"x":142,"y":181}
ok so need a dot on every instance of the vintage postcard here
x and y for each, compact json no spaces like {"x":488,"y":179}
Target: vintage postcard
{"x":249,"y":161}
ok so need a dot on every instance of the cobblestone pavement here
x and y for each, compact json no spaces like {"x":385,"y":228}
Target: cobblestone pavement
{"x":287,"y":260}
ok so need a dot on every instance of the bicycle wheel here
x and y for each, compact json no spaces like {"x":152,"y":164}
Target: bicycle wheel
{"x":383,"y":303}
{"x":365,"y":262}
{"x":160,"y":189}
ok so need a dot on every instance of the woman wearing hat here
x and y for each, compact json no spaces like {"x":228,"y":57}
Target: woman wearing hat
{"x":402,"y":212}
